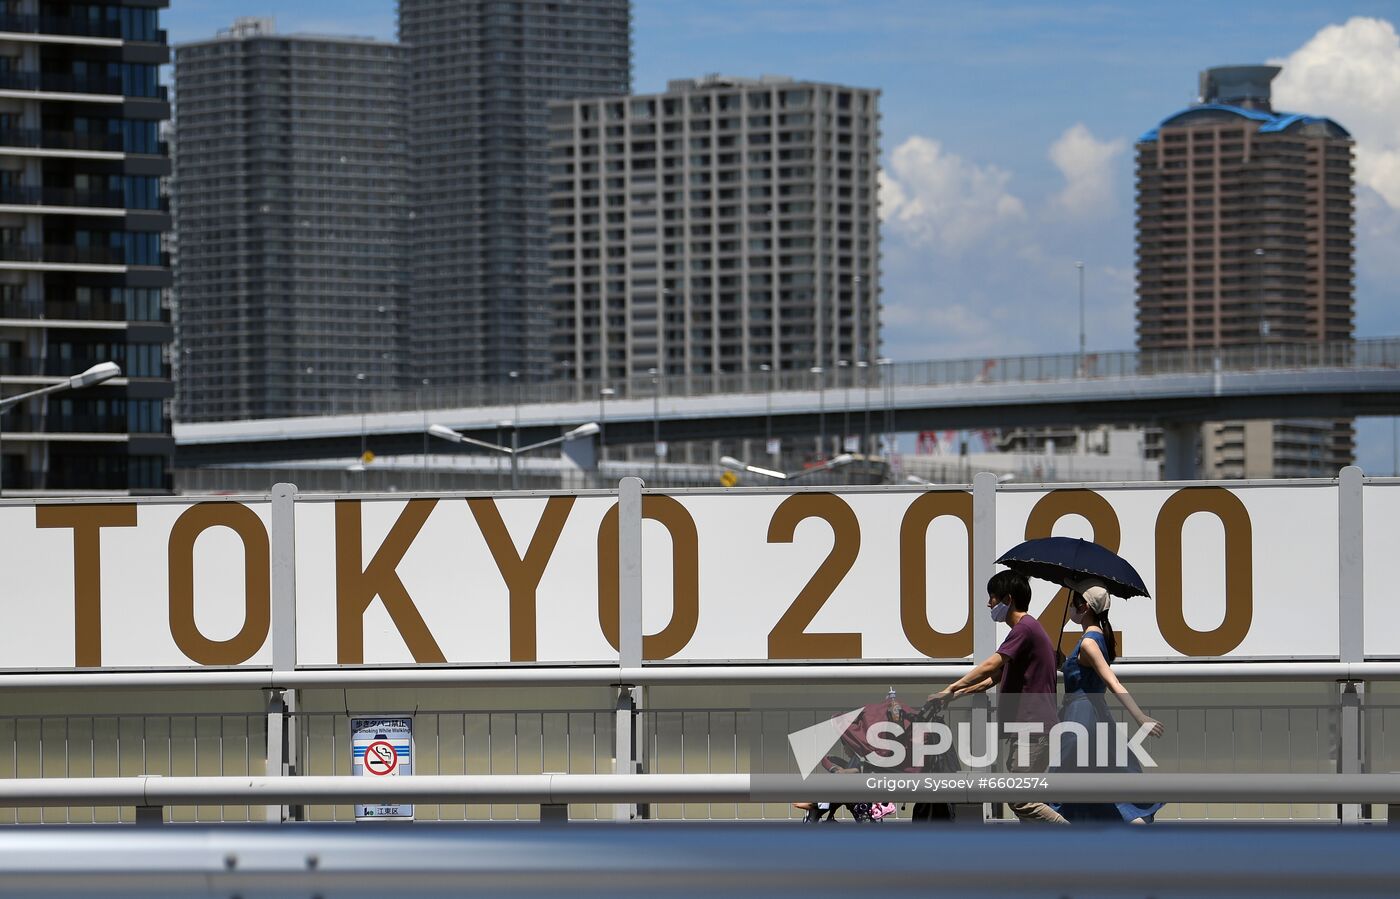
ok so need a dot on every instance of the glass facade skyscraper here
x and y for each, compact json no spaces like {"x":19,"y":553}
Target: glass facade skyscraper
{"x":84,"y":277}
{"x":481,"y":73}
{"x":292,"y":211}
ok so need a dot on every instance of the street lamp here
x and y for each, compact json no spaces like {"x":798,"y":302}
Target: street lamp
{"x":887,"y":389}
{"x":655,"y":423}
{"x":1080,"y":267}
{"x":821,"y":412}
{"x":360,"y":401}
{"x":1004,"y":478}
{"x":423,"y":408}
{"x":841,"y":365}
{"x":102,"y":371}
{"x":1259,"y":268}
{"x":768,"y":413}
{"x":514,"y":450}
{"x":603,"y":395}
{"x":865,"y":431}
{"x":515,"y":390}
{"x":733,"y":464}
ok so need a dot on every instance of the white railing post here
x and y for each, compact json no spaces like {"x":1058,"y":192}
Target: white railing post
{"x":1351,"y":609}
{"x":629,"y":628}
{"x":984,"y":634}
{"x":282,"y":702}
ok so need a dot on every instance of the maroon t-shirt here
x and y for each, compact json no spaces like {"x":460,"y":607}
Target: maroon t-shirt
{"x":1029,"y":671}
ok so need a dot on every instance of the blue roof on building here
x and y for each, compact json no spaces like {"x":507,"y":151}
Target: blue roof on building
{"x":1269,"y":122}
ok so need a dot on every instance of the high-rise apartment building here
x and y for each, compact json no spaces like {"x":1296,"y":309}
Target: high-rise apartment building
{"x":725,"y":225}
{"x":292,"y":210}
{"x":1246,"y":240}
{"x":83,"y":276}
{"x":480,"y":75}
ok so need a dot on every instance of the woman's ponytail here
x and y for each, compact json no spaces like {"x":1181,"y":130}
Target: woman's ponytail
{"x":1110,"y":652}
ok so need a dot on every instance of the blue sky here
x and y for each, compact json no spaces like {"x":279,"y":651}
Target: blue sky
{"x":1007,"y":135}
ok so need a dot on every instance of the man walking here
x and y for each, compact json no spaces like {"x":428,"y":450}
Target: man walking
{"x":1023,"y":670}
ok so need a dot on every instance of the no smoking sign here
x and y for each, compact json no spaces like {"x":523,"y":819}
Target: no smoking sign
{"x":382,"y":746}
{"x":381,"y":758}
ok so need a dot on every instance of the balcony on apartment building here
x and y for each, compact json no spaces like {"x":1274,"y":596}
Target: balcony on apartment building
{"x":88,"y":85}
{"x":23,"y":195}
{"x":60,"y":254}
{"x":139,"y":26}
{"x":38,"y":310}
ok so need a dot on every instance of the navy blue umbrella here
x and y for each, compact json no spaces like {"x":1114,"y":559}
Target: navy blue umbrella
{"x":1057,"y":558}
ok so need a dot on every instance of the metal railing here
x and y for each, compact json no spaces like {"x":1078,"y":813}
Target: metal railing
{"x":1291,"y":356}
{"x":75,"y":25}
{"x":59,"y":253}
{"x":775,"y":862}
{"x":146,"y":791}
{"x":1295,"y":741}
{"x":29,"y":195}
{"x":61,"y":140}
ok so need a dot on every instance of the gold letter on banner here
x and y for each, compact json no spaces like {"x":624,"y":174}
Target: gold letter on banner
{"x":789,"y":638}
{"x":87,"y":523}
{"x":685,"y":577}
{"x":257,"y":575}
{"x":522,"y":575}
{"x":1239,"y":571}
{"x":1107,"y":533}
{"x":356,"y":587}
{"x":913,"y":574}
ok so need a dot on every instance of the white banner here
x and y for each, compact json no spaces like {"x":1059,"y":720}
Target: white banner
{"x":728,"y":576}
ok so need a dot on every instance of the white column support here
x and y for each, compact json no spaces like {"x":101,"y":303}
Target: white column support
{"x":1351,"y":630}
{"x":276,"y":749}
{"x":984,"y":560}
{"x":1179,"y":451}
{"x":282,"y":739}
{"x":984,"y":634}
{"x":629,"y":629}
{"x":629,"y":568}
{"x":1351,"y":582}
{"x":284,"y":578}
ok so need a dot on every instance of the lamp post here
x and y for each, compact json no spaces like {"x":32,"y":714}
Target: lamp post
{"x":821,"y":412}
{"x":515,"y":397}
{"x":423,"y":408}
{"x":1080,"y":267}
{"x":102,"y":371}
{"x":655,"y":423}
{"x":841,"y":375}
{"x":865,"y":429}
{"x":603,"y":395}
{"x":514,"y":450}
{"x":1003,"y":478}
{"x":888,"y":390}
{"x":733,"y":464}
{"x":360,"y":401}
{"x":768,"y":413}
{"x":1263,"y":324}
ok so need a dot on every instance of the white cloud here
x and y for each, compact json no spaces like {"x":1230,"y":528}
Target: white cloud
{"x":1001,"y":277}
{"x":1086,"y":163}
{"x":1351,"y":73}
{"x":938,"y":199}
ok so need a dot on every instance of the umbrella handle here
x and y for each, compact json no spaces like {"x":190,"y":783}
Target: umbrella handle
{"x":1060,"y":634}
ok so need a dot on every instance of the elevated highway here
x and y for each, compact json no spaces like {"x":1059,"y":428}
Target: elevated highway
{"x":1169,"y":390}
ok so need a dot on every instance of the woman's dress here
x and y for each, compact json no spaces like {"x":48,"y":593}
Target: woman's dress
{"x":1086,"y":704}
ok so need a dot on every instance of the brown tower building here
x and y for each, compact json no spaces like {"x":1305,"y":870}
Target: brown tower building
{"x":1246,"y":240}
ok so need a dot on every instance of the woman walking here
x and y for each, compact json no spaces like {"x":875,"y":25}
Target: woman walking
{"x":1088,"y":677}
